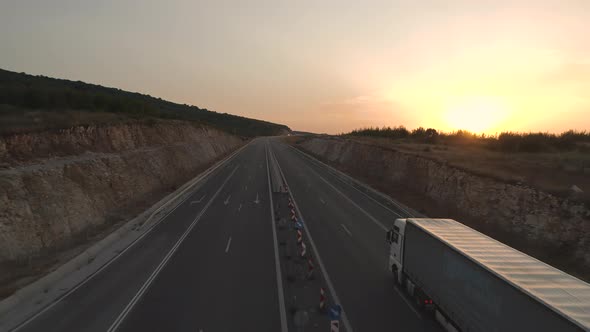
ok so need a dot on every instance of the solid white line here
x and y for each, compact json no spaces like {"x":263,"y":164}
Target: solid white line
{"x":198,"y":179}
{"x":282,"y":310}
{"x":239,"y":207}
{"x":338,"y":174}
{"x":199,"y":200}
{"x":346,"y":229}
{"x":373,"y":219}
{"x":399,"y":293}
{"x":228,"y":244}
{"x":163,"y":263}
{"x":397,"y":290}
{"x":331,"y":288}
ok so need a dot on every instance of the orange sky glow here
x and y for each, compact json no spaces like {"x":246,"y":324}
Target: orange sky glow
{"x":330,"y":66}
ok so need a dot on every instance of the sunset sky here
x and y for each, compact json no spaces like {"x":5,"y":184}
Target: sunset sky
{"x":324,"y":66}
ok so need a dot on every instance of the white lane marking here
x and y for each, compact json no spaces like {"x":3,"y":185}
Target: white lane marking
{"x":331,"y":288}
{"x":163,"y":263}
{"x":373,"y":219}
{"x":282,"y":310}
{"x":197,"y":180}
{"x":321,"y":200}
{"x":346,"y":230}
{"x":246,"y":188}
{"x":407,"y":302}
{"x":240,"y":207}
{"x":257,"y":200}
{"x":228,"y":244}
{"x":226,"y":200}
{"x":399,"y":293}
{"x":337,"y":173}
{"x":198,"y":201}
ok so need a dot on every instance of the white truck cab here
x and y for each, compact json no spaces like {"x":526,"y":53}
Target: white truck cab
{"x":395,"y":238}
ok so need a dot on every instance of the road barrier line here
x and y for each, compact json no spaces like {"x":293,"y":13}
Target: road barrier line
{"x":373,"y":219}
{"x":281,"y":296}
{"x":331,"y":288}
{"x":365,"y":212}
{"x":194,"y":181}
{"x":338,"y":174}
{"x":115,"y":325}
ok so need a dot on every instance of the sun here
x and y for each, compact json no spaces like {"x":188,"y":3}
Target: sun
{"x":478,"y":115}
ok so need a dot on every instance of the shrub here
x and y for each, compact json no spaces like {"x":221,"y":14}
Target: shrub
{"x":509,"y":142}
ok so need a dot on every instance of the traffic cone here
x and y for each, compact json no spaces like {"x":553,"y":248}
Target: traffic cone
{"x":309,"y":269}
{"x":322,"y":300}
{"x":303,"y":250}
{"x":334,"y":326}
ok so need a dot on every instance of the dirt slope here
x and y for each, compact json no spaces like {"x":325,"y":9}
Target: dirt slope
{"x":553,"y":229}
{"x":57,"y":188}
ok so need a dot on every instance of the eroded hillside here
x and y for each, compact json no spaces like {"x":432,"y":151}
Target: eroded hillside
{"x":57,"y":187}
{"x":551,"y":228}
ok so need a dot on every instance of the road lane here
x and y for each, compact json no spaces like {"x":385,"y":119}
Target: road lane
{"x":357,"y":264}
{"x":211,"y":286}
{"x":224,"y":275}
{"x":379,"y":206}
{"x":98,"y":302}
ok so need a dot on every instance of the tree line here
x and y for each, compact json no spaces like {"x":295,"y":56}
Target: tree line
{"x":505,"y":142}
{"x":42,"y":93}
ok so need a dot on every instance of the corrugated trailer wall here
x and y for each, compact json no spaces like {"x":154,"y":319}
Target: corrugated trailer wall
{"x":474,"y":297}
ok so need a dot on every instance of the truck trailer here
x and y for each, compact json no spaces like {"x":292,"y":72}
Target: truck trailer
{"x":471,"y":282}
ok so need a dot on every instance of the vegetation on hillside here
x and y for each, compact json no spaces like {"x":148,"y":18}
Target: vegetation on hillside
{"x":505,"y":142}
{"x":22,"y":94}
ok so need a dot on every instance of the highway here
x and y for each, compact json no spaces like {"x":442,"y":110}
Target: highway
{"x":216,"y":262}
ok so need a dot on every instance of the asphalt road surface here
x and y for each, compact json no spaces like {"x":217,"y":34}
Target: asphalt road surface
{"x":211,"y":265}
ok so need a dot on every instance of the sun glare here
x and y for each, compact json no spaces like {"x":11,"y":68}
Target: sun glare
{"x":478,"y":115}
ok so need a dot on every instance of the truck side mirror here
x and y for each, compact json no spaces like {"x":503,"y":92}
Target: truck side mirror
{"x":389,"y":236}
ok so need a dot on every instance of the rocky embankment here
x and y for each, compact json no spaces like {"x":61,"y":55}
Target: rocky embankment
{"x":553,"y":229}
{"x":56,"y":186}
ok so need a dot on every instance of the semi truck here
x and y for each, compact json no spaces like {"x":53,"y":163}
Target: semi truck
{"x":471,"y":282}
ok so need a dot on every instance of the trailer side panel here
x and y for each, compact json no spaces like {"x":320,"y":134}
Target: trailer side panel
{"x":474,"y":298}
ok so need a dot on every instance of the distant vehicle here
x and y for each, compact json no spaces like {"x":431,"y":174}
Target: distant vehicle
{"x":471,"y":282}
